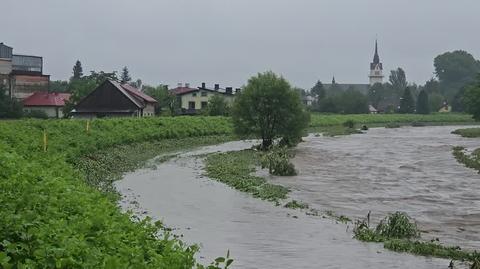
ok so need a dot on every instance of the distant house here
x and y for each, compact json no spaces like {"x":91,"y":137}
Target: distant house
{"x":192,"y":100}
{"x":21,"y":75}
{"x":372,"y":109}
{"x":308,"y":100}
{"x":50,"y":103}
{"x":111,"y":99}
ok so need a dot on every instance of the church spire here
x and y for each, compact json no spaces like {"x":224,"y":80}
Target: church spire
{"x":376,"y":58}
{"x":333,"y":80}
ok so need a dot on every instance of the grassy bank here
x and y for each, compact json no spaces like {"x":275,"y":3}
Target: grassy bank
{"x":323,"y":120}
{"x":51,"y":218}
{"x":468,"y":132}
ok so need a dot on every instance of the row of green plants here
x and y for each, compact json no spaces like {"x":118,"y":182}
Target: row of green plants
{"x":52,"y":218}
{"x":398,"y":232}
{"x":322,"y":120}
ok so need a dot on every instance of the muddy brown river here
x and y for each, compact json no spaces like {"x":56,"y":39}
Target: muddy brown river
{"x":382,"y":171}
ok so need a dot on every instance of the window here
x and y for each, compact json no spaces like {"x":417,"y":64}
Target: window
{"x":204,"y":105}
{"x":194,"y":94}
{"x":204,"y":93}
{"x":191,"y":105}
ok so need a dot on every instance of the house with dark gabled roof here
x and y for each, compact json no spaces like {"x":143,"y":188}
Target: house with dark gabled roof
{"x":112,"y":99}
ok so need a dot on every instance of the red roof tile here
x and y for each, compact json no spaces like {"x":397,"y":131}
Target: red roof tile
{"x":46,"y":99}
{"x":132,"y":90}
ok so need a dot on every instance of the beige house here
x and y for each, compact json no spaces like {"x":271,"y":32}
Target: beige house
{"x":193,"y":100}
{"x":50,"y":103}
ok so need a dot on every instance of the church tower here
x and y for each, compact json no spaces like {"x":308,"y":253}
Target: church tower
{"x":376,"y":68}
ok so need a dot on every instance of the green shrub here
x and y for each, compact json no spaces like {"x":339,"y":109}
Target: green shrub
{"x":349,"y":124}
{"x":398,"y":225}
{"x":277,"y":160}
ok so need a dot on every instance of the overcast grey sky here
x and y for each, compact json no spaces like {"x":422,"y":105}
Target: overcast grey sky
{"x":227,"y":41}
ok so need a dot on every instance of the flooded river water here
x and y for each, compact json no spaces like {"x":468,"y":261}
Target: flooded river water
{"x":385,"y":170}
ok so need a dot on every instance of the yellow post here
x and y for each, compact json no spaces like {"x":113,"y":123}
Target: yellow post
{"x":45,"y":141}
{"x":88,"y":126}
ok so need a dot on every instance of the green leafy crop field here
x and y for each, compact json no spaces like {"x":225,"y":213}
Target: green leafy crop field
{"x":50,"y":218}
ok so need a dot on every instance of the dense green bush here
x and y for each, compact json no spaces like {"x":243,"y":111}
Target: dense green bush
{"x":50,"y":218}
{"x":277,"y":160}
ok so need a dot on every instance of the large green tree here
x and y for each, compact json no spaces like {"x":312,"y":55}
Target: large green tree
{"x":398,"y":79}
{"x":407,"y":103}
{"x":423,"y":106}
{"x":269,"y":108}
{"x":318,"y":91}
{"x":125,"y":76}
{"x":455,"y":70}
{"x":471,"y":99}
{"x":58,"y":86}
{"x":166,"y":100}
{"x":217,"y":106}
{"x":376,"y":94}
{"x":77,"y":70}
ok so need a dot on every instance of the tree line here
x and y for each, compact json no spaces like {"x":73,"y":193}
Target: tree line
{"x":455,"y":72}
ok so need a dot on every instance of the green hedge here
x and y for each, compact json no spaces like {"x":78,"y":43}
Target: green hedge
{"x":321,"y":120}
{"x":50,"y":218}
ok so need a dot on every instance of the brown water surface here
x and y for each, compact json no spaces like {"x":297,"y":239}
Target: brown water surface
{"x":385,"y":170}
{"x":410,"y":169}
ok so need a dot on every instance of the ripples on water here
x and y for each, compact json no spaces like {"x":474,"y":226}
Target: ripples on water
{"x":387,"y":170}
{"x":408,"y":169}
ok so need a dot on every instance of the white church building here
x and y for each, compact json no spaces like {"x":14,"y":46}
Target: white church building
{"x":375,"y":76}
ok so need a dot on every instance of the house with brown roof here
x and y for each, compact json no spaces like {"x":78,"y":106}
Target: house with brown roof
{"x":51,"y":103}
{"x":112,"y":99}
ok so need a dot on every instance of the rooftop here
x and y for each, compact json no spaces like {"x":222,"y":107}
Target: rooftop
{"x":46,"y":99}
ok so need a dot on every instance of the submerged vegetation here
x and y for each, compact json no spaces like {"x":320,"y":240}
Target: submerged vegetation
{"x":398,"y":232}
{"x":236,"y":170}
{"x":469,"y":159}
{"x":51,"y":218}
{"x":468,"y":132}
{"x":277,"y":160}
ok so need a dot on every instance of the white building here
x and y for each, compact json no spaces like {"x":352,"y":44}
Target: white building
{"x":376,"y":68}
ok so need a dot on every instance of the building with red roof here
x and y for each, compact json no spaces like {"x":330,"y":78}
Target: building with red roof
{"x":51,"y":103}
{"x":112,"y":99}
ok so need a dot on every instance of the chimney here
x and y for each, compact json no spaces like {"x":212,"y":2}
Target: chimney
{"x":203,"y":85}
{"x":217,"y":87}
{"x":228,"y":90}
{"x":237,"y":90}
{"x":179,"y":84}
{"x":187,"y":85}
